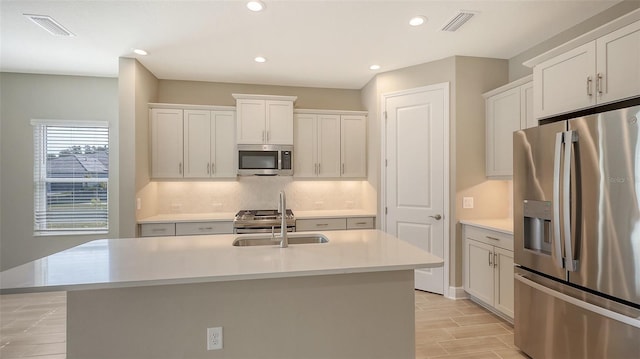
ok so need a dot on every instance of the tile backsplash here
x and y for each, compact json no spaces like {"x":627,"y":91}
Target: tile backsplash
{"x":258,"y":193}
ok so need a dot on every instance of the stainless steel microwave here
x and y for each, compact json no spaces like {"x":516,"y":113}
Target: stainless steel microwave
{"x":265,"y":160}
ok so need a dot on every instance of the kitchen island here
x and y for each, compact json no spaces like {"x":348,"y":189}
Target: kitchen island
{"x":155,"y":297}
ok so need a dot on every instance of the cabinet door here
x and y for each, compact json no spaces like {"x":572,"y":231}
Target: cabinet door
{"x":166,"y":143}
{"x":321,"y":224}
{"x":279,"y":122}
{"x":305,"y":163}
{"x":527,"y":120}
{"x":618,"y":64}
{"x":328,"y":146}
{"x":565,"y":82}
{"x":478,"y":274}
{"x":251,"y":121}
{"x":503,"y":118}
{"x":197,"y":143}
{"x":503,"y":281}
{"x":223,"y":156}
{"x":353,"y":146}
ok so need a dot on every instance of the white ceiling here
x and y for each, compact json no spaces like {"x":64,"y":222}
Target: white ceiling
{"x":310,"y":43}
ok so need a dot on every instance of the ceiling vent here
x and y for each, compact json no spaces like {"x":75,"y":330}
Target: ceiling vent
{"x":49,"y":24}
{"x":460,"y":19}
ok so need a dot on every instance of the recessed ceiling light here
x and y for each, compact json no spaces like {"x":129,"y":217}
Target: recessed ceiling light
{"x":140,"y":52}
{"x":417,"y":20}
{"x":260,"y":59}
{"x":374,"y":67}
{"x":255,"y":5}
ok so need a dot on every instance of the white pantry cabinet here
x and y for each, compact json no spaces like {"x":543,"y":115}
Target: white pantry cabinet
{"x":166,"y":143}
{"x":488,"y":268}
{"x":209,"y":144}
{"x":604,"y":70}
{"x":330,"y":144}
{"x":263,"y":119}
{"x":508,"y":108}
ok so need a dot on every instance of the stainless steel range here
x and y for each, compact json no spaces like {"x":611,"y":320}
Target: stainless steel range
{"x":262,"y":221}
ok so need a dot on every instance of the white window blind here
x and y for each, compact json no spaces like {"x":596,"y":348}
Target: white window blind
{"x":71,"y":173}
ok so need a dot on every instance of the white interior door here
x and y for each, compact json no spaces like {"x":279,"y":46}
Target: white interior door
{"x":416,"y":142}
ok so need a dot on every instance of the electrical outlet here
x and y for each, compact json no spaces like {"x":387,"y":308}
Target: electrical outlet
{"x":318,"y":204}
{"x":138,"y":204}
{"x":349,"y":204}
{"x":214,"y":338}
{"x":467,"y":202}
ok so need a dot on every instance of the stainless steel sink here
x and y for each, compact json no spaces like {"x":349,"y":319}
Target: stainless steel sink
{"x":248,"y":241}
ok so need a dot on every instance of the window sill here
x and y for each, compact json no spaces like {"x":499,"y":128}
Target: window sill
{"x":68,"y":233}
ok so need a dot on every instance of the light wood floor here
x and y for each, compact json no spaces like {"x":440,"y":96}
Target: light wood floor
{"x":33,"y":326}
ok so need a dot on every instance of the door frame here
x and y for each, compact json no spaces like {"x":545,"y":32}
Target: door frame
{"x":444,"y":87}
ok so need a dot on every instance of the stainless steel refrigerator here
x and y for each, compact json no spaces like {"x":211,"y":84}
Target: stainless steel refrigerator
{"x":577,"y":237}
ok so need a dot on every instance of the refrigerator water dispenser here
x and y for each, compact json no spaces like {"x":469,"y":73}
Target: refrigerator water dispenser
{"x":537,"y":226}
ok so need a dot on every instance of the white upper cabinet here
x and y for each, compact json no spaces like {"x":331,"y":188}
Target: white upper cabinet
{"x":316,"y":145}
{"x":209,"y":144}
{"x":508,"y":109}
{"x":329,"y":144}
{"x":166,"y":143}
{"x":353,"y":146}
{"x":192,"y":141}
{"x":618,"y":64}
{"x":603,"y":70}
{"x":264,"y":119}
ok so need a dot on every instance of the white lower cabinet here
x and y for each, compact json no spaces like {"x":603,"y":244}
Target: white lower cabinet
{"x":488,"y":268}
{"x":334,"y":224}
{"x":185,"y":228}
{"x":157,"y":229}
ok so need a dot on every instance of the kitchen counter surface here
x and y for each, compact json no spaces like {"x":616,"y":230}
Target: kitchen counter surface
{"x":228,"y":216}
{"x":504,"y":225}
{"x":333,"y":213}
{"x":189,"y":217}
{"x":137,"y":262}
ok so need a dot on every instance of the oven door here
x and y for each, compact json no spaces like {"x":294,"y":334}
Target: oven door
{"x":246,"y":230}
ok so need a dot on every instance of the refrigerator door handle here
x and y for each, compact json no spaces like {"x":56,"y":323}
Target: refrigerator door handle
{"x":556,"y":199}
{"x":635,"y":322}
{"x":569,"y":138}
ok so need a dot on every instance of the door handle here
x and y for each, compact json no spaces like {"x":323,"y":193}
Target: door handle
{"x":437,"y":217}
{"x":589,"y":81}
{"x":556,"y":200}
{"x":569,"y":138}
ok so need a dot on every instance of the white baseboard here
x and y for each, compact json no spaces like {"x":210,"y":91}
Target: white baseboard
{"x":457,"y":293}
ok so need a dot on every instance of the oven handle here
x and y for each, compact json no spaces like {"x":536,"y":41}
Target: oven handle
{"x":261,"y":230}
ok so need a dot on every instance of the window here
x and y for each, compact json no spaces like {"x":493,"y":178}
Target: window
{"x":71,"y":174}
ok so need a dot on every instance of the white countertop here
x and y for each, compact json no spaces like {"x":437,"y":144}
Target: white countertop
{"x":228,"y":216}
{"x":134,"y":262}
{"x":333,"y":213}
{"x":189,"y":217}
{"x":504,"y":225}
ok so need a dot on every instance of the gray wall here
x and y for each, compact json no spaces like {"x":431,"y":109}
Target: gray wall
{"x":25,"y":97}
{"x":218,"y":93}
{"x":517,"y":70}
{"x":468,"y":78}
{"x":137,"y":87}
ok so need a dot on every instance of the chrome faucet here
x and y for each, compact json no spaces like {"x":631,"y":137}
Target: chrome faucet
{"x":282,"y":208}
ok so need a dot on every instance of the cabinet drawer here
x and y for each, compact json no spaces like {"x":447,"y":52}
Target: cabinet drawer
{"x":490,"y":237}
{"x":195,"y":228}
{"x":157,"y":229}
{"x":324,"y":224}
{"x":360,"y":223}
